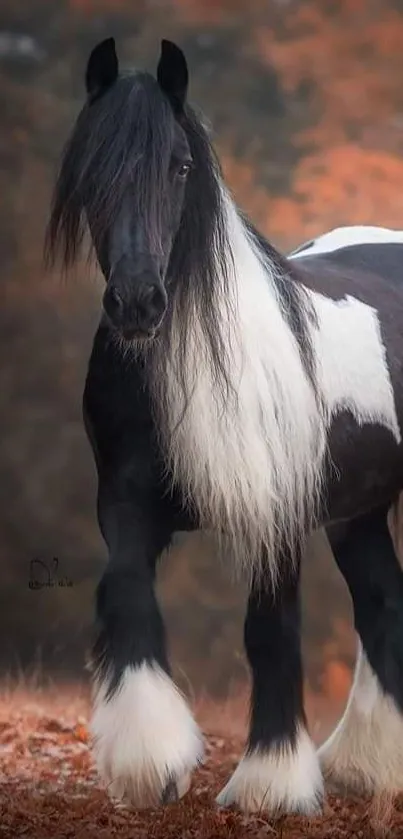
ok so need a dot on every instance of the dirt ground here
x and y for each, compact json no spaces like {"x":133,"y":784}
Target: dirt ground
{"x":48,"y":786}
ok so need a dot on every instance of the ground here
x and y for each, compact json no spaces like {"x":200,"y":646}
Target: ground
{"x":48,"y":786}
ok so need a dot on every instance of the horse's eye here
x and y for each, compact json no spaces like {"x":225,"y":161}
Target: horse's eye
{"x":184,"y":170}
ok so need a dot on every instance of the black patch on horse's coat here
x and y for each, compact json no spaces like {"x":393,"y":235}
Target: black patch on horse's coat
{"x":370,"y":273}
{"x":374,"y":472}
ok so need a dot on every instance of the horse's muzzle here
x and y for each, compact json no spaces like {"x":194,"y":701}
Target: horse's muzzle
{"x":135,"y":312}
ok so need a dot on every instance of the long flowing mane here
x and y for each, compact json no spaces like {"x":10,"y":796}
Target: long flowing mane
{"x":232,"y":372}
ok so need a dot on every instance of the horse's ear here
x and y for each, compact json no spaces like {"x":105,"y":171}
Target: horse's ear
{"x":102,"y":68}
{"x":172,"y":74}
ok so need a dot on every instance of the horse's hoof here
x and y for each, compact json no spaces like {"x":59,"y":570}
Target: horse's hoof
{"x":170,"y":792}
{"x":176,"y":789}
{"x":251,"y":801}
{"x":147,"y":796}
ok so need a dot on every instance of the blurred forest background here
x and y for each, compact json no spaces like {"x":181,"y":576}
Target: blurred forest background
{"x":306,"y":101}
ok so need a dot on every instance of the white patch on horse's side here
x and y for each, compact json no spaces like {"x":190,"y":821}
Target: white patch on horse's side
{"x":352,"y":370}
{"x":284,"y":779}
{"x":144,"y":736}
{"x":364,"y":754}
{"x":252,"y":464}
{"x":344,"y":237}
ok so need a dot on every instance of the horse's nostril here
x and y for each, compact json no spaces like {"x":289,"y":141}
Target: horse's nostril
{"x":113,"y":302}
{"x":154,"y":299}
{"x":116,"y":299}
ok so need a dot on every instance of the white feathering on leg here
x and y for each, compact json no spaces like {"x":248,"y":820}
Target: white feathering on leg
{"x":282,"y":780}
{"x":364,"y":754}
{"x":144,"y":736}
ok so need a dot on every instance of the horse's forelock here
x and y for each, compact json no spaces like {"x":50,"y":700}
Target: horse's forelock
{"x":126,"y":136}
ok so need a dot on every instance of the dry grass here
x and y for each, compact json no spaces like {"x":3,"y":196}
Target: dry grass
{"x":48,"y":787}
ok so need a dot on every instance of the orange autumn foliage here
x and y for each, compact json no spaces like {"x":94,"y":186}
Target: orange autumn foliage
{"x":352,"y":58}
{"x":345,"y":184}
{"x":241,"y":178}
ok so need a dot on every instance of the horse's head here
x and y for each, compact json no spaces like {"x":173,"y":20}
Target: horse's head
{"x":134,"y":250}
{"x":126,"y":173}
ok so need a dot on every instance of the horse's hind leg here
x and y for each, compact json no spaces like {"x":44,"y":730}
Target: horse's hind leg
{"x":280,"y":769}
{"x":365,"y":753}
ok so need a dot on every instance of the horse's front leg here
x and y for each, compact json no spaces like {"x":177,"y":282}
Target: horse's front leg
{"x":145,"y":739}
{"x":279,"y":771}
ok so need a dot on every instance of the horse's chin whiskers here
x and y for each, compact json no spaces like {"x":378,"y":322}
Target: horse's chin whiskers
{"x":134,"y":347}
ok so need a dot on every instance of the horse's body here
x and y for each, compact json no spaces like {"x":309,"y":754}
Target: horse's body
{"x":363,"y":432}
{"x":270,"y":403}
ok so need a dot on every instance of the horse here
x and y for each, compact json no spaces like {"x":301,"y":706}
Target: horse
{"x":233,"y":389}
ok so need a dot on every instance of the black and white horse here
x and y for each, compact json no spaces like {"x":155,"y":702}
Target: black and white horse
{"x":233,"y":389}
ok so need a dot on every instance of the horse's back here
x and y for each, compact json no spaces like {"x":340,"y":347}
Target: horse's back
{"x":343,"y":237}
{"x":357,"y":251}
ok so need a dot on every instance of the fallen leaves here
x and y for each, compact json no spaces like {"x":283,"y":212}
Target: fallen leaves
{"x":49,"y":788}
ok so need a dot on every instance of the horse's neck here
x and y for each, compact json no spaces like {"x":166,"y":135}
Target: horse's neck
{"x":259,"y":318}
{"x":236,"y":458}
{"x":252,"y":271}
{"x":259,"y":342}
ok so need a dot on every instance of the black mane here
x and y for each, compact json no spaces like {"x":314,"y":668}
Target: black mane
{"x":201,"y":255}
